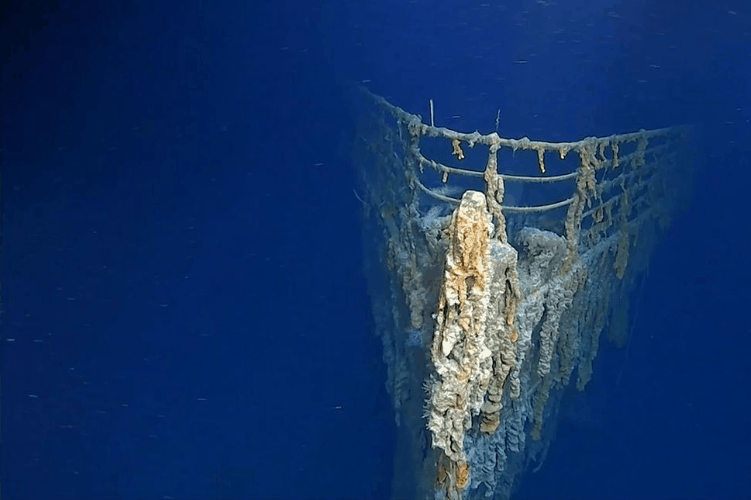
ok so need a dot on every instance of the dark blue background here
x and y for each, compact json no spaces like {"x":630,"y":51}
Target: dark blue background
{"x":183,"y":309}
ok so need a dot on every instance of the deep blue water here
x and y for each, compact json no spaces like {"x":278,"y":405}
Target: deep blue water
{"x":183,"y":309}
